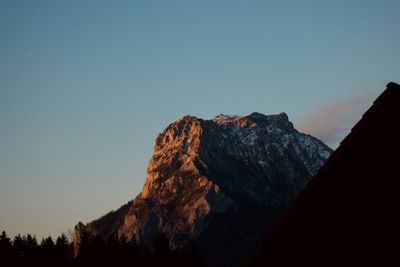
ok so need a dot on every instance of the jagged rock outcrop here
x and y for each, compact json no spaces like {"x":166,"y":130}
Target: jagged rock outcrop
{"x":218,"y":183}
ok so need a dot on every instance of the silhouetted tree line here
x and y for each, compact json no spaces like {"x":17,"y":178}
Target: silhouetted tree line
{"x":26,"y":251}
{"x":93,"y":251}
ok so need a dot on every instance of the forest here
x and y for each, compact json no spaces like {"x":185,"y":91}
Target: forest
{"x":93,"y":251}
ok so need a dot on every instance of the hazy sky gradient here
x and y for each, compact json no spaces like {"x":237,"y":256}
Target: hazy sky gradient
{"x":85,"y":86}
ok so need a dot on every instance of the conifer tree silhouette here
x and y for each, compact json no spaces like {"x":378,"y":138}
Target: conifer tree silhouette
{"x":5,"y":249}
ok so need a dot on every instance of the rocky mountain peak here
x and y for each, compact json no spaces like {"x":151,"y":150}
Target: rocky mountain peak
{"x":210,"y":181}
{"x":175,"y":148}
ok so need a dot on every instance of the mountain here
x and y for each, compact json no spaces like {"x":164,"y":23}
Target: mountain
{"x":219,"y":184}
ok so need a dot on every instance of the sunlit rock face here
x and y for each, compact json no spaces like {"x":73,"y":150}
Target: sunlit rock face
{"x":218,"y":183}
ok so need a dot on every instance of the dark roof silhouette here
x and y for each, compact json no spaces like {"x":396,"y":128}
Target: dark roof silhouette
{"x":348,"y":214}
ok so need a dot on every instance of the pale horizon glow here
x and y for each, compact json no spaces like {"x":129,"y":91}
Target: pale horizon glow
{"x":86,"y":86}
{"x":331,"y":122}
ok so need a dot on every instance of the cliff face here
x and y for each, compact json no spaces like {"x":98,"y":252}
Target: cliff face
{"x":218,"y":183}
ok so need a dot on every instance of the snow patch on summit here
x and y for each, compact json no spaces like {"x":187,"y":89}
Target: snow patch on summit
{"x":225,"y":118}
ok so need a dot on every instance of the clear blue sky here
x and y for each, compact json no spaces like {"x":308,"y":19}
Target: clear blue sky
{"x":85,"y":86}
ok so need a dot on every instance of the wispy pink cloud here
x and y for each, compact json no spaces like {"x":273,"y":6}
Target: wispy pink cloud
{"x":332,"y":121}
